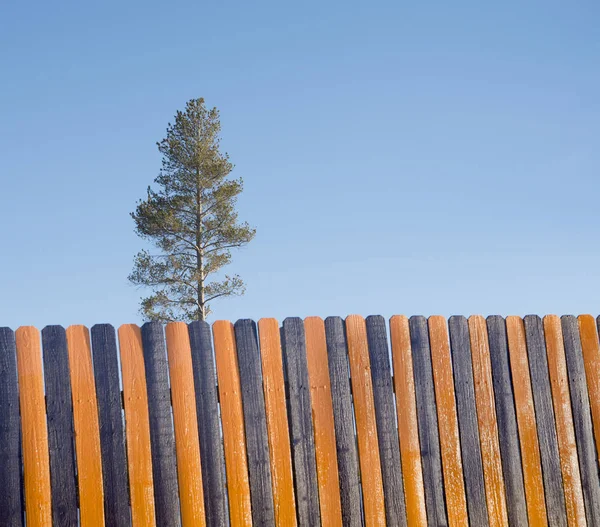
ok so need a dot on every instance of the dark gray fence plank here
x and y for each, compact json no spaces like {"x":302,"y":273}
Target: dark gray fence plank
{"x":207,"y":410}
{"x":59,"y":415}
{"x":162,"y":438}
{"x":385,"y":415}
{"x":255,"y":420}
{"x":343,"y":417}
{"x":11,"y":499}
{"x":470,"y":445}
{"x":546,"y":426}
{"x":112,"y":435}
{"x":507,"y":422}
{"x":301,"y":429}
{"x":582,"y":420}
{"x":428,"y":425}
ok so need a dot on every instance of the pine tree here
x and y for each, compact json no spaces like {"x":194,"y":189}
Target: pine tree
{"x":191,"y":220}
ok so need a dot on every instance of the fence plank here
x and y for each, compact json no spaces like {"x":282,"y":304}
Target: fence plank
{"x":185,"y":423}
{"x":366,"y":425}
{"x":428,"y":424}
{"x":256,"y":422}
{"x":87,"y":430}
{"x":408,"y":428}
{"x":233,"y":424}
{"x":322,"y":410}
{"x":343,"y":419}
{"x":162,"y":439}
{"x":591,"y":357}
{"x":11,"y":506}
{"x":582,"y":420}
{"x":546,"y":425}
{"x":389,"y":445}
{"x":112,"y":435}
{"x":464,"y":385}
{"x":525,"y":411}
{"x":34,"y":432}
{"x":508,"y":433}
{"x":557,"y":368}
{"x":486,"y":420}
{"x":59,"y":412}
{"x":207,"y":411}
{"x":301,"y":429}
{"x":448,"y":422}
{"x":137,"y":427}
{"x":277,"y":423}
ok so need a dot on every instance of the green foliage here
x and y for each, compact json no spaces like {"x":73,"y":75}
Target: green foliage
{"x":191,"y":219}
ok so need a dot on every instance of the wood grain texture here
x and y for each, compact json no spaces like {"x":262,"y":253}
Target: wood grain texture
{"x":232,"y":417}
{"x":137,"y":427}
{"x":207,"y":410}
{"x":546,"y":424}
{"x":162,"y":438}
{"x":255,"y":419}
{"x":591,"y":359}
{"x":448,"y":422}
{"x":277,"y":423}
{"x":525,"y":411}
{"x":487,"y":423}
{"x":385,"y":415}
{"x":408,"y":427}
{"x":59,"y":413}
{"x":582,"y":420}
{"x":366,"y":424}
{"x":185,"y":421}
{"x":557,"y":368}
{"x":322,"y":411}
{"x":34,"y":431}
{"x":112,"y":434}
{"x":343,"y":417}
{"x":87,"y":428}
{"x":301,"y":429}
{"x":470,"y":444}
{"x":508,"y":433}
{"x":428,"y":424}
{"x":11,"y":505}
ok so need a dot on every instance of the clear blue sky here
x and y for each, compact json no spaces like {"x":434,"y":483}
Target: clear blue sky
{"x":398,"y":158}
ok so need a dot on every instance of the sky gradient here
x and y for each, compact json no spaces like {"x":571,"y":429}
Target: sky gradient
{"x":439,"y":158}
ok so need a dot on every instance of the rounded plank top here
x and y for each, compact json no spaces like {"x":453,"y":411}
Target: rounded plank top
{"x":277,"y":422}
{"x":187,"y":445}
{"x":530,"y":449}
{"x":236,"y":464}
{"x":454,"y":484}
{"x":34,"y":432}
{"x":364,"y":408}
{"x":87,"y":428}
{"x":322,"y":411}
{"x":137,"y":427}
{"x":408,"y":428}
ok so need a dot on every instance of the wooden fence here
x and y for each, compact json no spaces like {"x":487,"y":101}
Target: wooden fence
{"x":461,"y":422}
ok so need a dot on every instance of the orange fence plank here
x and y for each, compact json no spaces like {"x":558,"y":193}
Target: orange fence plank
{"x":530,"y":450}
{"x":232,"y":417}
{"x":559,"y":381}
{"x":86,"y":426}
{"x":36,"y":458}
{"x":322,"y":411}
{"x":187,"y":445}
{"x":364,"y":409}
{"x":486,"y":419}
{"x":277,"y":423}
{"x":591,"y":357}
{"x":137,"y":426}
{"x":408,"y":429}
{"x":441,"y":362}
